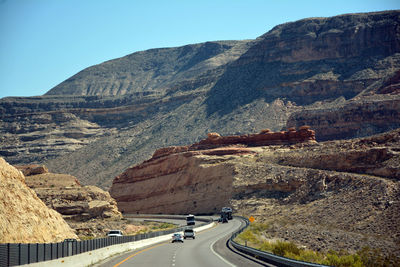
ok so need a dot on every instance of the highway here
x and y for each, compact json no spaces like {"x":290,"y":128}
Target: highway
{"x":205,"y":250}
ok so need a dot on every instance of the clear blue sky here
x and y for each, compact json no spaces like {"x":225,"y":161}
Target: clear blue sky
{"x":44,"y":42}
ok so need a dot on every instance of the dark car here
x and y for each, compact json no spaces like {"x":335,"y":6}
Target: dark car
{"x":189,"y":233}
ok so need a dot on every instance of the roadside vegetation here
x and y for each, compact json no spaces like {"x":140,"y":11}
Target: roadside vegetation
{"x":253,"y":237}
{"x":154,"y":227}
{"x":133,"y":229}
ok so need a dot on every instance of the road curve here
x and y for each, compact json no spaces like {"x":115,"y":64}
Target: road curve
{"x":197,"y":253}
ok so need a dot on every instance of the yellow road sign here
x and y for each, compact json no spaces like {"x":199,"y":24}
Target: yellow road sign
{"x":251,"y":219}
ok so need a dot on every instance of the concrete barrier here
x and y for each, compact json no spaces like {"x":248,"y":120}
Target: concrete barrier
{"x":92,"y":257}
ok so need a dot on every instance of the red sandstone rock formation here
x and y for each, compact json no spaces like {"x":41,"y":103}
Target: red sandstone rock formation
{"x":264,"y":138}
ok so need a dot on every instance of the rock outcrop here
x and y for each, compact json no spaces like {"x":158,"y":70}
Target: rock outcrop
{"x":67,"y":196}
{"x":36,"y":135}
{"x":264,"y":138}
{"x":32,"y":169}
{"x":348,"y":118}
{"x":24,"y":218}
{"x":176,"y":184}
{"x":313,"y":59}
{"x":344,"y":192}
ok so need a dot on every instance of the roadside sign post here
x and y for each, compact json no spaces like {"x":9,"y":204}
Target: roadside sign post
{"x":252,"y":219}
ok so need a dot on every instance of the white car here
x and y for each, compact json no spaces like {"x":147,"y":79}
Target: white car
{"x":114,"y":233}
{"x":177,"y":238}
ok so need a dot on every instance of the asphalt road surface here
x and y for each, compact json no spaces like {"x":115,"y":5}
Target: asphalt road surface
{"x":199,"y":252}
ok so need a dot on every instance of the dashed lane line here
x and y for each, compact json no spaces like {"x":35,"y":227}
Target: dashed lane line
{"x":143,"y":250}
{"x":146,"y":249}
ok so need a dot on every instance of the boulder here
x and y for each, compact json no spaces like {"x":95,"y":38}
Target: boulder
{"x":32,"y":169}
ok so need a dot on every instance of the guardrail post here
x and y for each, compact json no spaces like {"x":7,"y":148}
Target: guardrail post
{"x":37,"y":252}
{"x":19,"y":254}
{"x":69,"y":242}
{"x":8,"y":254}
{"x":29,"y":253}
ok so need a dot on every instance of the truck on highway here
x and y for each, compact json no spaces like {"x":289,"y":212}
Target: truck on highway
{"x":190,"y":220}
{"x":224,"y":217}
{"x":228,"y":212}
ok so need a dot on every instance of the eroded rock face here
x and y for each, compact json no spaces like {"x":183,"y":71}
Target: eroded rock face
{"x":344,"y":120}
{"x":64,"y":194}
{"x":34,"y":135}
{"x":342,"y":36}
{"x":312,"y":60}
{"x":344,"y":192}
{"x":180,"y":183}
{"x":24,"y":218}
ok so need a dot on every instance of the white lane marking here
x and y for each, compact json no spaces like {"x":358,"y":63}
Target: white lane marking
{"x":227,"y":262}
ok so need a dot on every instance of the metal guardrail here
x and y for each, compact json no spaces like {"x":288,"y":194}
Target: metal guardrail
{"x":14,"y":254}
{"x":266,"y":256}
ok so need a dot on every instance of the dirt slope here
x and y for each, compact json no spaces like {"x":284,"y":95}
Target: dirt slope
{"x":24,"y":218}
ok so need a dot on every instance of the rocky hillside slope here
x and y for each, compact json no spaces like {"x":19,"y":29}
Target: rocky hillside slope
{"x":67,"y":196}
{"x":340,"y":75}
{"x":327,"y":195}
{"x":156,"y":70}
{"x":89,"y":210}
{"x":24,"y":218}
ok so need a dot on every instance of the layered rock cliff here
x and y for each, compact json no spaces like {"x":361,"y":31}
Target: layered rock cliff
{"x":89,"y":210}
{"x":329,"y":195}
{"x":311,"y":60}
{"x":67,"y":196}
{"x":364,"y":115}
{"x":339,"y":75}
{"x":24,"y":218}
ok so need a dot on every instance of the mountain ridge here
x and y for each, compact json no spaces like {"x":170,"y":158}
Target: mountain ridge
{"x":144,"y":70}
{"x":229,"y":87}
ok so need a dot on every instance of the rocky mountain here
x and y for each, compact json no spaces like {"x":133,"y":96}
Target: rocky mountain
{"x":24,"y":218}
{"x":339,"y":75}
{"x":340,"y":195}
{"x":312,"y":60}
{"x":154,"y":71}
